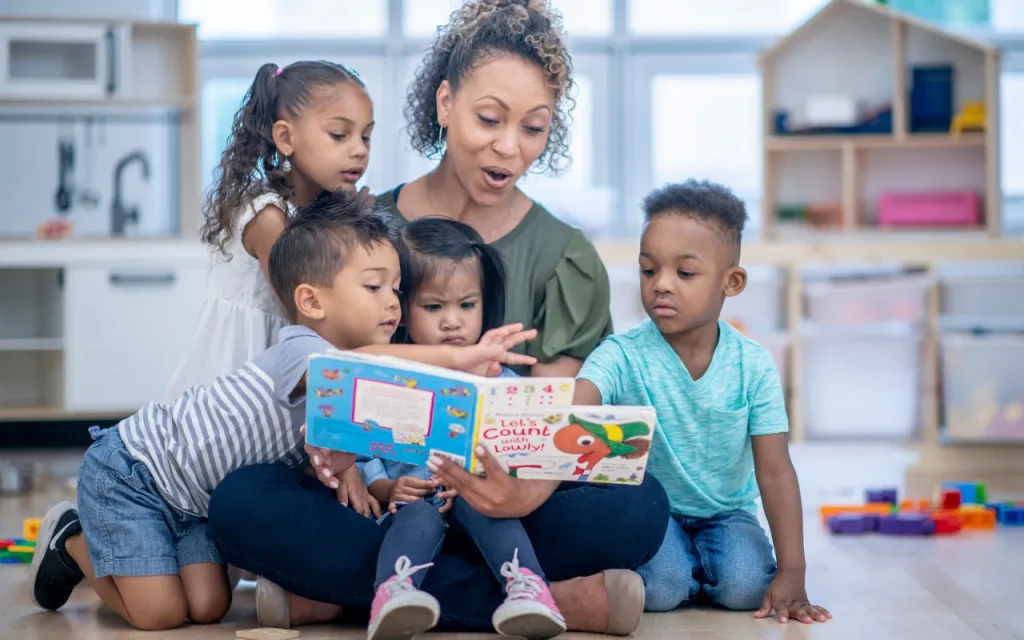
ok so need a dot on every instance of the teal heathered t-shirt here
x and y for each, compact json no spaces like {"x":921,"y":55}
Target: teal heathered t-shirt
{"x":701,"y":451}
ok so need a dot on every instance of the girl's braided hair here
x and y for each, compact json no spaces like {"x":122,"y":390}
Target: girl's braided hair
{"x":529,"y":29}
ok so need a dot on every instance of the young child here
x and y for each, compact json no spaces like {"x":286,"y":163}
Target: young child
{"x":139,"y":535}
{"x":302,"y":129}
{"x":454,"y":286}
{"x":721,"y":414}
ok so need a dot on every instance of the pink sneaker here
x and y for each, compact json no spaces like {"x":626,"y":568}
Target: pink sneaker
{"x":529,"y":611}
{"x":400,"y":610}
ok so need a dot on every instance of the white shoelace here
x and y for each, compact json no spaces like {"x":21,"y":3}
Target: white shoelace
{"x":404,"y":569}
{"x":520,"y":585}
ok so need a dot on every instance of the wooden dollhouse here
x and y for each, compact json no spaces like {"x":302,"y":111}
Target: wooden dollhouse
{"x":902,"y":135}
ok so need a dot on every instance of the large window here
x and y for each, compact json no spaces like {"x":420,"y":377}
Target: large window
{"x":667,"y":89}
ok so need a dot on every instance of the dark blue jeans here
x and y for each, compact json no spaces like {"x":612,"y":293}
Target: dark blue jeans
{"x":418,"y":529}
{"x":282,"y":524}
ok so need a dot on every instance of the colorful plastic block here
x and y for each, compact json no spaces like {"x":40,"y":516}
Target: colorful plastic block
{"x":6,"y":543}
{"x":950,"y":499}
{"x":980,"y":494}
{"x":919,"y":504}
{"x":1011,"y":516}
{"x":968,"y":491}
{"x":829,"y":510}
{"x":906,"y":524}
{"x":11,"y":560}
{"x":945,"y":525}
{"x":887,"y":495}
{"x":31,"y":528}
{"x":849,"y":523}
{"x":20,"y":549}
{"x":977,"y":517}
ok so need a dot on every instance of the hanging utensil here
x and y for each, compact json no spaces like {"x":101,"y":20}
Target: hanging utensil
{"x":65,"y":169}
{"x":88,"y":196}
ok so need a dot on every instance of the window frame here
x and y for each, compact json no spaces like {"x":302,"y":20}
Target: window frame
{"x":621,"y":66}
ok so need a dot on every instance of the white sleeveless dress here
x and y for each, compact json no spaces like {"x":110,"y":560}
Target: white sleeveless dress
{"x":240,"y":317}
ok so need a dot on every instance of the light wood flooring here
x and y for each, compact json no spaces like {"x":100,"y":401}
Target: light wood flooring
{"x":958,"y":588}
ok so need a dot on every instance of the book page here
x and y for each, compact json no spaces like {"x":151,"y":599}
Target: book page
{"x":583,"y":444}
{"x":509,"y":394}
{"x":402,"y":363}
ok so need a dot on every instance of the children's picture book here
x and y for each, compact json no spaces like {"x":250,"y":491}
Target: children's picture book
{"x":396,"y":409}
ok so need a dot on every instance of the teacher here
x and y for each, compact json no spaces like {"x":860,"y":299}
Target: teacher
{"x":490,"y":97}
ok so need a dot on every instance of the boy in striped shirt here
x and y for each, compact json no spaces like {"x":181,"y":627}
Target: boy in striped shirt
{"x":139,"y":533}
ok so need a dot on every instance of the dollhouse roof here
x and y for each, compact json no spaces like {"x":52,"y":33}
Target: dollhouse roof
{"x":836,"y":8}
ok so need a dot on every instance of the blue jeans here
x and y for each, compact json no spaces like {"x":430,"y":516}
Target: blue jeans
{"x":130,"y":528}
{"x":417,"y":531}
{"x":258,"y":512}
{"x":727,"y":557}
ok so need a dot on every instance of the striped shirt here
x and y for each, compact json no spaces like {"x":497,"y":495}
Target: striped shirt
{"x":243,"y":418}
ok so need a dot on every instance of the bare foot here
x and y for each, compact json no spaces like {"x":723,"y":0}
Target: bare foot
{"x":305,"y":611}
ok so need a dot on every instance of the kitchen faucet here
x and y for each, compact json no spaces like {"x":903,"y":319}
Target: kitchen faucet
{"x":119,"y":214}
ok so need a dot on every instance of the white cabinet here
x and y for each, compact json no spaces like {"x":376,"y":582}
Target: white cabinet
{"x":126,"y":329}
{"x":41,"y":60}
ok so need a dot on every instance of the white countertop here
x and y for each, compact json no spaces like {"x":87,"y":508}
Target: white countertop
{"x":62,"y":253}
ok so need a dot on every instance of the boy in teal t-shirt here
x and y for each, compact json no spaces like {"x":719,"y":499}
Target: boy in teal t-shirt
{"x":722,"y":420}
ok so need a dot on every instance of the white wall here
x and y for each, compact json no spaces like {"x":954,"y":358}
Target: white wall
{"x":136,"y":9}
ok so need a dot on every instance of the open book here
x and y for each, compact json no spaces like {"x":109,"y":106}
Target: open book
{"x":396,"y":409}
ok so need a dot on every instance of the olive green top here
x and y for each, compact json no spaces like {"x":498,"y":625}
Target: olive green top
{"x":556,"y":284}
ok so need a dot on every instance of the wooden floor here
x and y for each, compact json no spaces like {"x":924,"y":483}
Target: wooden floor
{"x":959,"y":588}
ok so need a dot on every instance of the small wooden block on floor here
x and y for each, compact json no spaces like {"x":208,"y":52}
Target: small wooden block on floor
{"x":267,"y":633}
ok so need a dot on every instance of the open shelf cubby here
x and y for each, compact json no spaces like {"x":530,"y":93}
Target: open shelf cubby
{"x":908,"y":117}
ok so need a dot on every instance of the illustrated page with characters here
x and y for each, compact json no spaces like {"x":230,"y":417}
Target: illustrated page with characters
{"x":400,"y":410}
{"x":585,"y":444}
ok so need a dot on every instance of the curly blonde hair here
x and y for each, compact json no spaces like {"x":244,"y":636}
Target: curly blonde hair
{"x":529,"y":29}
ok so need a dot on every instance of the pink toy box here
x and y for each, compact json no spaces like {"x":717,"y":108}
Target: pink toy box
{"x":938,"y":209}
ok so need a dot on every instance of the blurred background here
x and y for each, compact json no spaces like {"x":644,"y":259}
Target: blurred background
{"x":905,"y":333}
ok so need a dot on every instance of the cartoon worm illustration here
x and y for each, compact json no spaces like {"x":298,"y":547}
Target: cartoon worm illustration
{"x":595,"y":442}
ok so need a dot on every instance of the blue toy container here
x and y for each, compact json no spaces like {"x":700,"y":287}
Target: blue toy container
{"x":931,"y":98}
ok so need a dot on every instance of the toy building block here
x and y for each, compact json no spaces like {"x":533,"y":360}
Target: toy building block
{"x":919,"y":504}
{"x":31,"y":528}
{"x":906,"y":524}
{"x":849,"y":523}
{"x":945,"y":525}
{"x":829,"y":510}
{"x":950,"y":499}
{"x":1012,"y":516}
{"x":267,"y":633}
{"x":6,"y":543}
{"x":980,"y":493}
{"x":887,"y":495}
{"x":20,"y":549}
{"x":968,"y":491}
{"x":977,"y":518}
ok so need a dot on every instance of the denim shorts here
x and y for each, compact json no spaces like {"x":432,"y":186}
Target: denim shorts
{"x":129,"y":527}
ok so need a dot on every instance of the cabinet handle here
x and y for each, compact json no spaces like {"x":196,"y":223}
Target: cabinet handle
{"x":111,"y":62}
{"x":142,"y":279}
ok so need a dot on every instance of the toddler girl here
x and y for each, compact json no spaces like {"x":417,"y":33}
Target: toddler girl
{"x":302,"y":129}
{"x":454,"y":291}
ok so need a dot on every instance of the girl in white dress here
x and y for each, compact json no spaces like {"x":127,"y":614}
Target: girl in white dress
{"x":302,"y":129}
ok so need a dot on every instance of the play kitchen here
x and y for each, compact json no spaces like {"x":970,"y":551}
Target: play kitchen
{"x":104,"y":118}
{"x":99,"y":220}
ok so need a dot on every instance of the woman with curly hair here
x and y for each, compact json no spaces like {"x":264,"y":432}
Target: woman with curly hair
{"x":491,"y":99}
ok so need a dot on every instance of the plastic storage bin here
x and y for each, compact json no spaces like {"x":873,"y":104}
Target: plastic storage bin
{"x":866,"y":297}
{"x":862,"y":382}
{"x":983,"y":385}
{"x":952,"y":208}
{"x":761,"y":306}
{"x":984,"y":289}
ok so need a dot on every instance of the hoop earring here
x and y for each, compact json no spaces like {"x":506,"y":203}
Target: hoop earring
{"x":440,"y":137}
{"x":286,"y":165}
